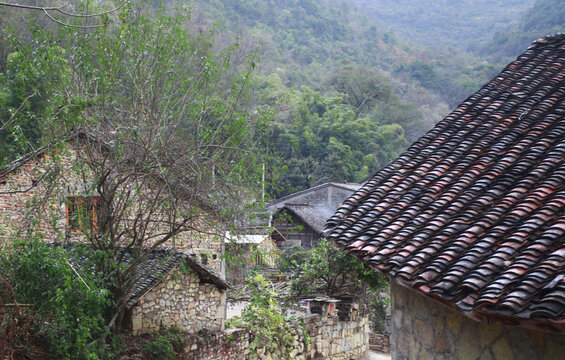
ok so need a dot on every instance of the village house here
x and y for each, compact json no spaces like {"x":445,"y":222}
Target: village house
{"x":469,"y":222}
{"x":300,"y":217}
{"x":183,"y":285}
{"x":175,"y":289}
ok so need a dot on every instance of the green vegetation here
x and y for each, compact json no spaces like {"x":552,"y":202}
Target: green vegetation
{"x":292,"y":258}
{"x":168,"y":342}
{"x":330,"y":271}
{"x":327,"y":67}
{"x":270,"y":328}
{"x":441,"y":24}
{"x":68,"y":301}
{"x":161,"y":105}
{"x":171,"y":95}
{"x":546,"y":17}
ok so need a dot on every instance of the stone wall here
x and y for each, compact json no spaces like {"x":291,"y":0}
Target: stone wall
{"x":380,"y":343}
{"x":180,"y":299}
{"x":25,"y":193}
{"x":232,"y":344}
{"x":329,"y":339}
{"x":424,"y":329}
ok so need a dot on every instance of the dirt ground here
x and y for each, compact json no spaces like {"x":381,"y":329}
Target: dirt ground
{"x":375,"y":355}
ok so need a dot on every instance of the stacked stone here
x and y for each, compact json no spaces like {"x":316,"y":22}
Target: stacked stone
{"x":380,"y":342}
{"x":23,"y":189}
{"x":329,"y":339}
{"x":180,"y":300}
{"x":423,"y":329}
{"x":232,"y":344}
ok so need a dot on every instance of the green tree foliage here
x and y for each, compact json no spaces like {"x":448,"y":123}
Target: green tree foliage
{"x":546,"y":17}
{"x":454,"y":23}
{"x":68,"y":299}
{"x":166,"y":141}
{"x":26,"y":95}
{"x":330,"y":271}
{"x":292,"y":258}
{"x":324,"y":139}
{"x":270,"y":328}
{"x":363,"y":87}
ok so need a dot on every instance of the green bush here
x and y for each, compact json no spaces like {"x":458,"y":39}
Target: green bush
{"x":168,"y":342}
{"x":269,"y":327}
{"x":69,"y":300}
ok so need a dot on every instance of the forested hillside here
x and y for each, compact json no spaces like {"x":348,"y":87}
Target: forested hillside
{"x":345,"y":93}
{"x":456,"y":23}
{"x":546,"y":17}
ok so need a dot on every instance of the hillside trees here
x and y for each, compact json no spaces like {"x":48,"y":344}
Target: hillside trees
{"x":343,"y":137}
{"x":154,"y":113}
{"x":546,"y":17}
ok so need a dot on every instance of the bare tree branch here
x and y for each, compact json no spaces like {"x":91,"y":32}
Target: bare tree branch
{"x":47,"y":9}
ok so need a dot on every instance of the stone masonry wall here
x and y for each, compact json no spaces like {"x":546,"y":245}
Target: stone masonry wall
{"x":27,"y":199}
{"x":423,"y":329}
{"x":27,"y":186}
{"x":180,"y":299}
{"x":330,"y":339}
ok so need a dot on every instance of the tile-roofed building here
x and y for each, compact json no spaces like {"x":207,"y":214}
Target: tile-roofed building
{"x":302,"y":224}
{"x":183,"y":287}
{"x":300,"y":217}
{"x":330,"y":193}
{"x":173,"y":288}
{"x":472,"y":216}
{"x":160,"y":262}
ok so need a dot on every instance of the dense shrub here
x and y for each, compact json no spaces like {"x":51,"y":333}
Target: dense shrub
{"x":270,"y":329}
{"x":167,"y":343}
{"x":65,"y":294}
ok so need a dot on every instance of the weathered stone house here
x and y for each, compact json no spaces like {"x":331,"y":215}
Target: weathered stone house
{"x":300,"y":217}
{"x":182,"y":286}
{"x":175,"y":289}
{"x":469,"y":223}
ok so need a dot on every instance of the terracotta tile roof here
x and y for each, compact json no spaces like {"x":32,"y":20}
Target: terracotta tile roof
{"x":473,"y":213}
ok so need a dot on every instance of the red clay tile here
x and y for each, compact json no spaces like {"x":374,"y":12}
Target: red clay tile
{"x":473,"y":213}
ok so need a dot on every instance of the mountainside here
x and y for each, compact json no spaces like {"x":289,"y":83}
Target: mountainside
{"x":442,"y":23}
{"x":546,"y":17}
{"x":345,"y":93}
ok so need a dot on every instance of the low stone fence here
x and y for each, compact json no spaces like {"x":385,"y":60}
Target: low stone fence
{"x":380,"y":342}
{"x":329,"y":339}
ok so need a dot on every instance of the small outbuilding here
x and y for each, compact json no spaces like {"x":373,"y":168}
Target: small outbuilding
{"x":173,"y":288}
